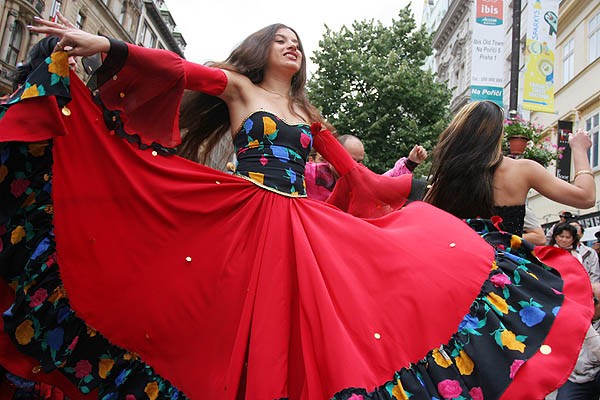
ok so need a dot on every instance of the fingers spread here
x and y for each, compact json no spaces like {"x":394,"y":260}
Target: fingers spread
{"x":44,"y":22}
{"x":64,"y":21}
{"x":47,"y":30}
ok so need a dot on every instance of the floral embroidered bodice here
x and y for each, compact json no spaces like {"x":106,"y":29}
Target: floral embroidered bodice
{"x":272,"y":153}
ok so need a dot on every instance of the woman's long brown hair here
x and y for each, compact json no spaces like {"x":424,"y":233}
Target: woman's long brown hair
{"x":204,"y":119}
{"x":464,"y":161}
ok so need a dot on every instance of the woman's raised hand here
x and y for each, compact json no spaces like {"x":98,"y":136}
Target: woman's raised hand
{"x":580,"y":139}
{"x":72,"y":40}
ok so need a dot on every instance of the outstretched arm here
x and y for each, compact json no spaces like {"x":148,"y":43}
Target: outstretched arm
{"x":76,"y":42}
{"x":145,"y":84}
{"x":582,"y":192}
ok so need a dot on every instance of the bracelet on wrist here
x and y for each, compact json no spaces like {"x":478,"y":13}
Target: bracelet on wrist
{"x":584,"y":172}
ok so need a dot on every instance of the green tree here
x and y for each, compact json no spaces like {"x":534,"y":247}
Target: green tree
{"x":370,"y":83}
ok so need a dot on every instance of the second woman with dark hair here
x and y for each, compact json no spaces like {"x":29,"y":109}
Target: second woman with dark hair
{"x":470,"y":176}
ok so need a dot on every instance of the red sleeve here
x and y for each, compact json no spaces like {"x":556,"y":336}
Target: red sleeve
{"x":146,"y":85}
{"x":359,"y":191}
{"x":204,"y":79}
{"x":331,"y":150}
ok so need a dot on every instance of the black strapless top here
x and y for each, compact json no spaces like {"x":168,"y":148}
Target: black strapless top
{"x":272,"y":153}
{"x":512,"y":218}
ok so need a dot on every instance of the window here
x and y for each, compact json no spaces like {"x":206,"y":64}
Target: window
{"x":80,"y":20}
{"x":152,"y":42}
{"x":148,"y":37}
{"x":55,"y":8}
{"x":594,"y":37}
{"x":14,"y":45}
{"x":568,"y":61}
{"x":591,"y":126}
{"x":142,"y":34}
{"x":123,"y":12}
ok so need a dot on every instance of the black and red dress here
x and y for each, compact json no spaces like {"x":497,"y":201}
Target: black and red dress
{"x":130,"y":272}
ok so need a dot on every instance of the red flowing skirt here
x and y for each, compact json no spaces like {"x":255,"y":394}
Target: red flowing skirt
{"x":213,"y":280}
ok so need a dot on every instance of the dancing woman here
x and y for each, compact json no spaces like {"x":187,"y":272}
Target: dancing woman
{"x":470,"y":176}
{"x":179,"y":280}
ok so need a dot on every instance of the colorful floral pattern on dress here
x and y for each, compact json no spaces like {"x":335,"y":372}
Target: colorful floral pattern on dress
{"x":506,"y":325}
{"x":41,"y":322}
{"x":51,"y":78}
{"x":272,"y":153}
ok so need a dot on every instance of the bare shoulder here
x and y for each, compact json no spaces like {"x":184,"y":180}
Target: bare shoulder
{"x":511,"y":181}
{"x":522,"y":165}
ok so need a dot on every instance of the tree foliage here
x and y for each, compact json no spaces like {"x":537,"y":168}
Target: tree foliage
{"x":370,"y":83}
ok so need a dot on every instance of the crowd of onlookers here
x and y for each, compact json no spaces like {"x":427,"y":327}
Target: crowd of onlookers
{"x":584,"y":381}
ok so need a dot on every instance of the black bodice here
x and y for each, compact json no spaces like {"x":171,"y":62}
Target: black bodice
{"x":512,"y":218}
{"x":272,"y":153}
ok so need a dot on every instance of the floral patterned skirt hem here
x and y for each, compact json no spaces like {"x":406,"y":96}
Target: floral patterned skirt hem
{"x":41,"y":322}
{"x":507,"y":324}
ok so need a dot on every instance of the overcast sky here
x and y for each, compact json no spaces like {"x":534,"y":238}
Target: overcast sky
{"x":213,"y":28}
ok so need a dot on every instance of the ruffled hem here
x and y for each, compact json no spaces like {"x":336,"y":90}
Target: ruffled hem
{"x":40,"y":321}
{"x":508,"y":324}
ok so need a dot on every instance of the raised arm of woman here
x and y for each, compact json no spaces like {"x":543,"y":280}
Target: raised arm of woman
{"x":77,"y":42}
{"x":72,"y":40}
{"x":582,"y":192}
{"x":145,"y":84}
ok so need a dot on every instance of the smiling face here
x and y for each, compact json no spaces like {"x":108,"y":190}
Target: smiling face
{"x":285,"y":51}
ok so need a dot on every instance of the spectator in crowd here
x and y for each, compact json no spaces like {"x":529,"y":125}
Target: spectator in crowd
{"x":596,"y":245}
{"x":585,"y":254}
{"x":584,"y":381}
{"x":320,"y":176}
{"x":563,"y":216}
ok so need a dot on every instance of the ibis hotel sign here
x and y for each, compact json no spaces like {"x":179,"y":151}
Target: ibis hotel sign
{"x":487,"y":64}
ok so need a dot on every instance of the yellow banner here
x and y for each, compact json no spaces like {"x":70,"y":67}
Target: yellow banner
{"x":538,"y":82}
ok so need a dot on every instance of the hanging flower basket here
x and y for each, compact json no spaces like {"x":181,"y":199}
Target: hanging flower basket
{"x":525,"y":139}
{"x":517,"y":145}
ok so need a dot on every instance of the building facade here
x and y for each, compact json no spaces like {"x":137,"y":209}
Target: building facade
{"x":452,"y":49}
{"x":120,"y":19}
{"x":15,"y":39}
{"x":157,"y":28}
{"x":432,"y":16}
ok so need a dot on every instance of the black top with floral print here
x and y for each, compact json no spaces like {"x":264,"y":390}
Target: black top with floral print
{"x":272,"y":153}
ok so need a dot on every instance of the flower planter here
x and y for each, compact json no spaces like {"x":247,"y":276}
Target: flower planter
{"x":517,"y":144}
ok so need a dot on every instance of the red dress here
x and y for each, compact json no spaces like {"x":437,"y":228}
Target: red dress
{"x":217,"y":282}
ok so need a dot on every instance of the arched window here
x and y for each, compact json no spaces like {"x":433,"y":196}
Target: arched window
{"x":14,"y":45}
